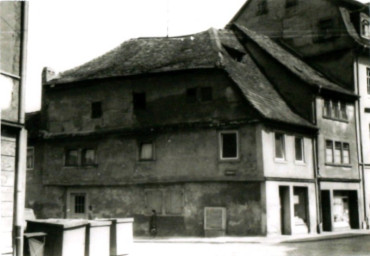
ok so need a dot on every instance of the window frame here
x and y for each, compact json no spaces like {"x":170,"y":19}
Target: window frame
{"x":140,"y":144}
{"x":332,"y":151}
{"x":284,"y":157}
{"x":66,"y":164}
{"x":96,"y":113}
{"x":335,"y":110}
{"x":83,"y":150}
{"x":32,"y":148}
{"x":221,"y":145}
{"x":302,"y":150}
{"x":341,"y":153}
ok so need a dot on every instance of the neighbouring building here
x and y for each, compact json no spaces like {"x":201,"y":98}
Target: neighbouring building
{"x":333,"y":37}
{"x":189,"y":126}
{"x":13,"y":38}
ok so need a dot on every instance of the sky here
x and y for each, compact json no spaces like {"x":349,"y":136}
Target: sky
{"x":63,"y":34}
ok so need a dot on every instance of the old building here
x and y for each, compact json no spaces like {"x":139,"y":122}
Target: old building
{"x":333,"y":37}
{"x":13,"y":37}
{"x":188,"y":126}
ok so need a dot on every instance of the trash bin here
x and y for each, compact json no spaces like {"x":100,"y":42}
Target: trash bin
{"x":121,"y":236}
{"x":64,"y":236}
{"x":98,"y":238}
{"x":34,"y":244}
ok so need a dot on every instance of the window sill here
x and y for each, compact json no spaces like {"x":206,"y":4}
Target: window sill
{"x":339,"y":165}
{"x":229,"y":159}
{"x":336,"y":119}
{"x":280,"y":160}
{"x":302,"y":163}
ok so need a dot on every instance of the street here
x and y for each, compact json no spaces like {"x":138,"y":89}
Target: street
{"x":337,"y":247}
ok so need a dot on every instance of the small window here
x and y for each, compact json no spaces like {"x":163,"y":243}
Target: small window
{"x":205,"y":94}
{"x":299,"y":149}
{"x":191,"y":95}
{"x":343,"y":111}
{"x":96,"y":109}
{"x":80,"y":203}
{"x":336,"y":109}
{"x":290,"y":3}
{"x":139,"y":100}
{"x":329,"y":151}
{"x":262,"y":7}
{"x":279,"y":146}
{"x":345,"y":155}
{"x":146,"y":151}
{"x":229,"y":145}
{"x":30,"y":158}
{"x":368,"y":79}
{"x":71,"y":157}
{"x":327,"y":108}
{"x":88,"y":157}
{"x":338,"y":153}
{"x":365,"y":28}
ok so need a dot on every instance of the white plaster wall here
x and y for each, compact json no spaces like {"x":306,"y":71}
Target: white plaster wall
{"x":289,"y":168}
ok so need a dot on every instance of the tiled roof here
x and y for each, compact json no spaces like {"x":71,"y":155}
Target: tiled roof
{"x":148,"y":55}
{"x":291,"y":62}
{"x":260,"y":92}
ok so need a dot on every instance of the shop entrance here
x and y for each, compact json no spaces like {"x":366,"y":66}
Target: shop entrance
{"x":301,"y":219}
{"x":345,"y":210}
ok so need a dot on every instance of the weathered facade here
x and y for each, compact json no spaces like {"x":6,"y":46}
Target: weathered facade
{"x":196,"y":132}
{"x":13,"y":27}
{"x":332,"y":36}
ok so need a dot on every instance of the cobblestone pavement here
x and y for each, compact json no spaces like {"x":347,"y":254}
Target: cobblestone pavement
{"x":356,"y":246}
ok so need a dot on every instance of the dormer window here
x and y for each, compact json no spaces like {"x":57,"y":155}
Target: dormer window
{"x":365,"y":27}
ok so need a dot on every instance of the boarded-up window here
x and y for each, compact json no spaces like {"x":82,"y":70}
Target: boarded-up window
{"x":154,"y":200}
{"x":71,"y":157}
{"x":229,"y":145}
{"x":279,"y":146}
{"x":174,"y":202}
{"x":214,"y":218}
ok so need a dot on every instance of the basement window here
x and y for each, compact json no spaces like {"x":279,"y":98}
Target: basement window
{"x":229,"y":145}
{"x":139,"y":100}
{"x":290,"y":3}
{"x":96,"y":109}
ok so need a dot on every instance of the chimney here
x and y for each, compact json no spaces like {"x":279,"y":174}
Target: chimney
{"x":47,"y":74}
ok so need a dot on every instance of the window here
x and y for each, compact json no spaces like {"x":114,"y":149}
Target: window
{"x":79,"y":206}
{"x":165,"y":201}
{"x":299,"y":149}
{"x":368,"y":79}
{"x":71,"y":158}
{"x":146,"y":151}
{"x":96,"y":110}
{"x":290,"y":3}
{"x":325,"y":29}
{"x":30,"y":158}
{"x":88,"y":157}
{"x":229,"y":145}
{"x":139,"y":100}
{"x":262,"y":7}
{"x":205,"y":94}
{"x":365,"y":27}
{"x":191,"y":95}
{"x":329,"y":151}
{"x":335,"y":110}
{"x":279,"y":146}
{"x":337,"y":152}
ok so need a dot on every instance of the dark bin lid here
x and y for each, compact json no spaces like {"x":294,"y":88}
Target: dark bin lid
{"x":34,"y":234}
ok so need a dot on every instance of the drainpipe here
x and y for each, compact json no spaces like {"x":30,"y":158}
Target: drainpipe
{"x":365,"y":223}
{"x":20,"y":178}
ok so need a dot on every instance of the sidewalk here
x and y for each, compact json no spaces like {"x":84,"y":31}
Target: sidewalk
{"x":256,"y":239}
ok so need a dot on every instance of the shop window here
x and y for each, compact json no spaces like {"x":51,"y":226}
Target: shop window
{"x":71,"y":157}
{"x":139,"y":100}
{"x":88,"y":157}
{"x":299,"y":149}
{"x":229,"y":145}
{"x":279,"y":146}
{"x":290,"y":3}
{"x":368,"y":79}
{"x":146,"y":151}
{"x":30,"y":158}
{"x":262,"y":7}
{"x":205,"y":94}
{"x":191,"y":95}
{"x":96,"y":109}
{"x":329,"y":151}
